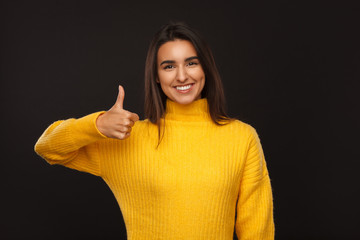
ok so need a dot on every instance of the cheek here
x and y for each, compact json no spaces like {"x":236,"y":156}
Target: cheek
{"x":165,"y":77}
{"x":165,"y":83}
{"x":198,"y":74}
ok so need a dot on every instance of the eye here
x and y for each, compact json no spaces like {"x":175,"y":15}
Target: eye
{"x":192,"y":64}
{"x":168,"y":67}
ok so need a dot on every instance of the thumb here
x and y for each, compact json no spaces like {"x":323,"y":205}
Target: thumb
{"x":120,"y":98}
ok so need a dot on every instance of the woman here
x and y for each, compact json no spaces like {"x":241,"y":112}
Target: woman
{"x":187,"y":169}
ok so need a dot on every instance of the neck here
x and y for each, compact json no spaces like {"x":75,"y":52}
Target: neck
{"x":197,"y":110}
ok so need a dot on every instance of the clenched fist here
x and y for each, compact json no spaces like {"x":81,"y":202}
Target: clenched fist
{"x":117,"y":122}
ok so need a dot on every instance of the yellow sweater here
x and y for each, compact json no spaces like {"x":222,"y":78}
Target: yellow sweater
{"x":188,"y":188}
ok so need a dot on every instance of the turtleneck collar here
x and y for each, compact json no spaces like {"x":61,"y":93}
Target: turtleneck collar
{"x":198,"y":110}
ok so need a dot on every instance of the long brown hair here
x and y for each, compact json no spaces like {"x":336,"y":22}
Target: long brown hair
{"x":155,"y":99}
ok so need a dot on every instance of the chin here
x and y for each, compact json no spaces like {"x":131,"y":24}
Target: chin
{"x":184,"y":101}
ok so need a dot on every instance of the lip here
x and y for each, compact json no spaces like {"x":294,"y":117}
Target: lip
{"x":184,"y":91}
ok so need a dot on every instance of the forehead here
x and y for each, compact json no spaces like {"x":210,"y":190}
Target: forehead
{"x":177,"y":50}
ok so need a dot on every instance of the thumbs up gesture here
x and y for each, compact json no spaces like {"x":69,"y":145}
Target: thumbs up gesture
{"x":117,"y":122}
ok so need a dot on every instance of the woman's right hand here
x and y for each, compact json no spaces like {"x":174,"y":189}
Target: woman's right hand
{"x":117,"y":122}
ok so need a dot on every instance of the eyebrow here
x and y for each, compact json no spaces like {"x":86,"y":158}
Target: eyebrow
{"x":186,"y":60}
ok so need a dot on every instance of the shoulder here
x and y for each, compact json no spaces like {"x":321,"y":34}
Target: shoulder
{"x":247,"y":134}
{"x":143,"y":127}
{"x":141,"y":124}
{"x":240,"y":128}
{"x":242,"y":132}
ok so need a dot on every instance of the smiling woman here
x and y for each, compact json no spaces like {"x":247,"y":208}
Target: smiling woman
{"x":182,"y":78}
{"x":206,"y":169}
{"x":174,"y":45}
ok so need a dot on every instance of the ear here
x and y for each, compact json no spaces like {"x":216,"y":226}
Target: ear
{"x":157,"y":80}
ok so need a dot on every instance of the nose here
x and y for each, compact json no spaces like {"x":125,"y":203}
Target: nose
{"x":181,"y":75}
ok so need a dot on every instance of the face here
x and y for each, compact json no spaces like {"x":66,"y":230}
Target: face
{"x":179,"y":71}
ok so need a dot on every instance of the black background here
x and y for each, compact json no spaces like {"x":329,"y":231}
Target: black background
{"x":290,"y":69}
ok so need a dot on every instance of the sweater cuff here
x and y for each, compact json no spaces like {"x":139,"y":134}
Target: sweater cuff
{"x":85,"y":129}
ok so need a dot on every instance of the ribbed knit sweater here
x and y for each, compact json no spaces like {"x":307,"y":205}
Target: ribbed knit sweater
{"x":189,"y":187}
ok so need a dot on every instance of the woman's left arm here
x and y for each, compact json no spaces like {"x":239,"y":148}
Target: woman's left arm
{"x":254,"y":219}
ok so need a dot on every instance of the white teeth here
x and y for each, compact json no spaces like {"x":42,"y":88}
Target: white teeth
{"x":183,"y":87}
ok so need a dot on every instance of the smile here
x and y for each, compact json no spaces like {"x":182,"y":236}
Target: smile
{"x":183,"y":88}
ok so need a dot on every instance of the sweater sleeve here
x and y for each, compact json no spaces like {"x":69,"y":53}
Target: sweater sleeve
{"x":72,"y":143}
{"x":254,"y":219}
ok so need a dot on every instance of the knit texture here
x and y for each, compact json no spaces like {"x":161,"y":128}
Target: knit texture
{"x":189,"y":187}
